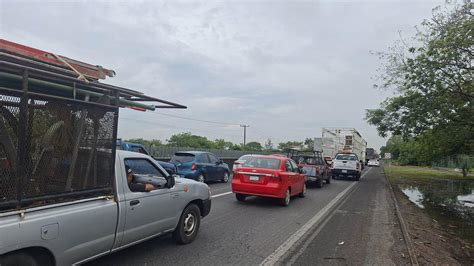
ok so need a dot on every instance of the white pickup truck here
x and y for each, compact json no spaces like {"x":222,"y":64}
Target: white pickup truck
{"x":345,"y":165}
{"x":78,"y":231}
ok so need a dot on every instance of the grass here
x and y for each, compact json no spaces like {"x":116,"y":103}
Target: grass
{"x":395,"y":172}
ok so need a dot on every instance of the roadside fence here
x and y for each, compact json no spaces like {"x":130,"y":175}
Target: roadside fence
{"x":166,"y":152}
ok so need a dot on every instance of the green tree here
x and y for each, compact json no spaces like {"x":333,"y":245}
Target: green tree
{"x":253,"y":146}
{"x":145,"y":142}
{"x":309,"y":143}
{"x":268,"y":145}
{"x":223,"y":144}
{"x":189,"y":140}
{"x":433,"y":108}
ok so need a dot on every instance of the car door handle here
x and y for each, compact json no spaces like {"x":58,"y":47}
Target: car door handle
{"x":134,"y":202}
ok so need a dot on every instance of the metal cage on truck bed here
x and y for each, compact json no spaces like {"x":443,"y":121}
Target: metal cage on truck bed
{"x":57,"y":133}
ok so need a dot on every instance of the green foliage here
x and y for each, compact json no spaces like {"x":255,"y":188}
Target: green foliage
{"x":433,"y":110}
{"x":187,"y":139}
{"x":309,"y":143}
{"x":253,"y":146}
{"x":146,"y":143}
{"x":268,"y":145}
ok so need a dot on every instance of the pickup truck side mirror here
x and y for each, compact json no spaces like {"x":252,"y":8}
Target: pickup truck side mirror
{"x":219,"y":162}
{"x":171,"y":181}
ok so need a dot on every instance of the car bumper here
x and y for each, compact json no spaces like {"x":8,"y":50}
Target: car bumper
{"x":190,"y":175}
{"x":312,"y":178}
{"x":206,"y":207}
{"x":271,"y":190}
{"x":345,"y":172}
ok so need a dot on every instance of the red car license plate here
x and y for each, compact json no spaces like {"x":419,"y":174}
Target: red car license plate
{"x":254,"y":178}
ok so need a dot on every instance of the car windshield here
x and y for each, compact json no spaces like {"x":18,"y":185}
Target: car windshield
{"x":262,"y":162}
{"x":182,"y":157}
{"x":346,"y":157}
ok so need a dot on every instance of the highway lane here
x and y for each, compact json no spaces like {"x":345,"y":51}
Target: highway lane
{"x":234,"y":232}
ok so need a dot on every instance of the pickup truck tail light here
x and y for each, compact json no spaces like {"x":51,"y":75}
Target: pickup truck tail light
{"x":193,"y":166}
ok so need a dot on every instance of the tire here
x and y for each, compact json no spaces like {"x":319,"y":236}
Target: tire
{"x":225,"y":179}
{"x":357,"y":178}
{"x":240,"y":197}
{"x":18,"y":259}
{"x":188,"y":225}
{"x":303,"y":193}
{"x":201,"y":178}
{"x":334,"y":177}
{"x":319,"y":183}
{"x":328,"y":179}
{"x":286,"y":201}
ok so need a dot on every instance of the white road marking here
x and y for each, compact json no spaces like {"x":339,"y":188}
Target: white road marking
{"x":222,"y":194}
{"x":273,"y":258}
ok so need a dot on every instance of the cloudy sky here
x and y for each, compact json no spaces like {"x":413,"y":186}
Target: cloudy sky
{"x":286,"y":68}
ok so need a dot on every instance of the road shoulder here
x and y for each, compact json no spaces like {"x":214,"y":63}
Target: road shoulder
{"x":364,"y":229}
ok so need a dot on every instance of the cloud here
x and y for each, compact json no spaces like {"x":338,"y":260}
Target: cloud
{"x":286,"y":68}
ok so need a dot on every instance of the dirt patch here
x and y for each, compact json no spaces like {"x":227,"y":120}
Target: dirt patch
{"x":434,"y":243}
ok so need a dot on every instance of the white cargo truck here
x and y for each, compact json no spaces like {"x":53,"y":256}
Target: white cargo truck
{"x":337,"y":140}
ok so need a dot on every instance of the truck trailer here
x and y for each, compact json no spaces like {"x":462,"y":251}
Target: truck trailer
{"x":338,"y":140}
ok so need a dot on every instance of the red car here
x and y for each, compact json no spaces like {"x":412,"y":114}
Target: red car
{"x":269,"y":176}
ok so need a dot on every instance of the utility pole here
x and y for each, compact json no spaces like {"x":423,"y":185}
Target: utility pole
{"x":245,"y":132}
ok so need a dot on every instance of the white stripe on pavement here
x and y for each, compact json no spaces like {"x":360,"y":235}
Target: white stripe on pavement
{"x":222,"y":194}
{"x":273,"y":258}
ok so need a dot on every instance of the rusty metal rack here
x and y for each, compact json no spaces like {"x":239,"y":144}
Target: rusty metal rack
{"x":58,"y":132}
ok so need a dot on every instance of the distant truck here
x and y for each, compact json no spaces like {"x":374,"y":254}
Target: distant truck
{"x":370,"y":154}
{"x":67,"y":195}
{"x":136,"y":147}
{"x":338,"y":140}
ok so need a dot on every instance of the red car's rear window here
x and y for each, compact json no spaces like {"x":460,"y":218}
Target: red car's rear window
{"x":262,"y":162}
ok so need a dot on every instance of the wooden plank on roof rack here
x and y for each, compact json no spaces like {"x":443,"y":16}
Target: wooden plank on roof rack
{"x":93,"y":72}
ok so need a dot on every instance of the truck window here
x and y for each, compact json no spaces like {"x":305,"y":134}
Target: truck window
{"x":295,"y":167}
{"x":143,"y":166}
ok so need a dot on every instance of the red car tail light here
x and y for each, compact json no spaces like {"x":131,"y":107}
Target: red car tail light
{"x":193,"y":166}
{"x":276,"y":177}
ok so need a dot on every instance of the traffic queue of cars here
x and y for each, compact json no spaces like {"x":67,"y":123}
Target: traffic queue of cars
{"x":279,"y":176}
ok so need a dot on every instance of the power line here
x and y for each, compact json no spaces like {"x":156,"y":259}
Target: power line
{"x":173,"y":126}
{"x":195,"y":119}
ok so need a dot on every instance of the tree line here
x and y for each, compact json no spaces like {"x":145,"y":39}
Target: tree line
{"x":189,"y":140}
{"x":431,"y":115}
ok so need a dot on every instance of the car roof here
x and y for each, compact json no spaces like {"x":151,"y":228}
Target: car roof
{"x":123,"y":153}
{"x":277,"y":157}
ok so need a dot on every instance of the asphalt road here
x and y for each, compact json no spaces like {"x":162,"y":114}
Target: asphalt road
{"x":246,"y":233}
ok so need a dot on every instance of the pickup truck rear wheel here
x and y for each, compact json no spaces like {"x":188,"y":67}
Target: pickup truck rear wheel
{"x":319,"y":183}
{"x":19,"y":258}
{"x":188,"y":225}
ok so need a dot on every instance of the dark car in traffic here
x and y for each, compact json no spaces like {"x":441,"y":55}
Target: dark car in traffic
{"x":135,"y":147}
{"x":200,"y":166}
